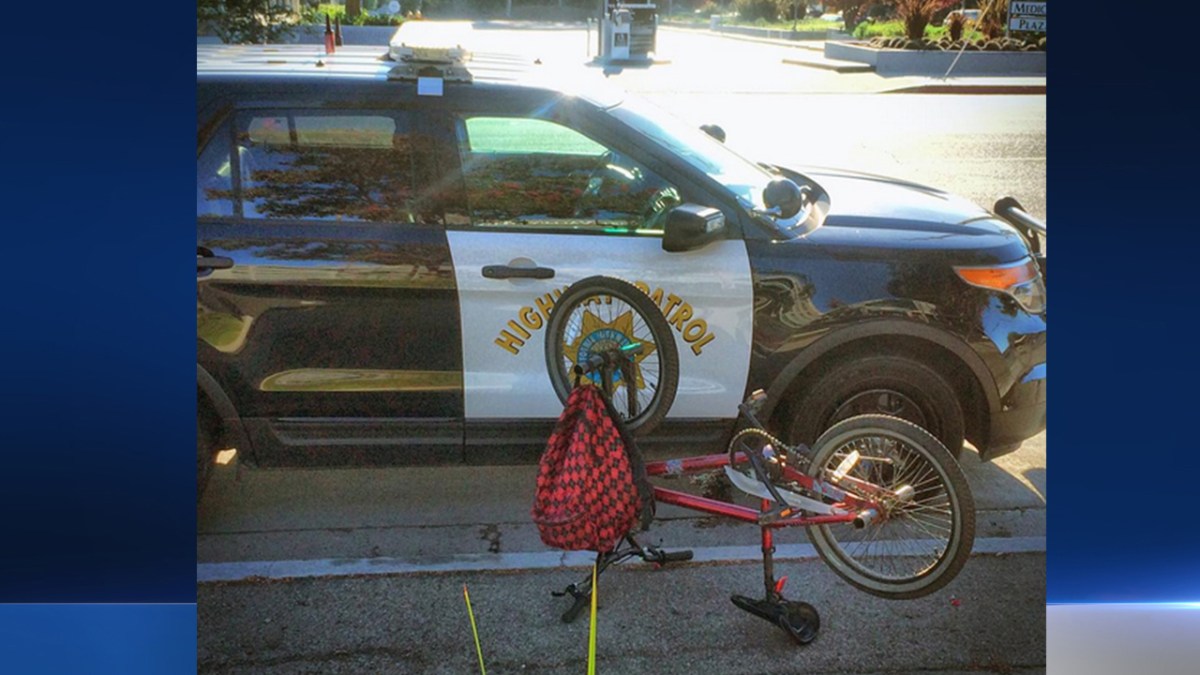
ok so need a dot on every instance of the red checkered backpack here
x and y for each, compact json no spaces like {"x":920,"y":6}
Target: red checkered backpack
{"x":591,"y":486}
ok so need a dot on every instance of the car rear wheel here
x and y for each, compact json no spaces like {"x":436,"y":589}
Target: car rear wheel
{"x":885,"y":385}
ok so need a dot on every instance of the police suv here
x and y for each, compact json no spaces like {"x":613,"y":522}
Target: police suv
{"x":382,"y":235}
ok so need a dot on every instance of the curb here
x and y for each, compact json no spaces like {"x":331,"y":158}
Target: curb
{"x":981,"y":89}
{"x":810,"y":45}
{"x":277,"y":570}
{"x":835,"y":66}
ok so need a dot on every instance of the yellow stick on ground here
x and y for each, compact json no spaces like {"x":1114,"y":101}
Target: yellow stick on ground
{"x":592,"y":628}
{"x":474,"y":630}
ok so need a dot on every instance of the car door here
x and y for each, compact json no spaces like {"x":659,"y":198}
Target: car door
{"x":545,"y":194}
{"x":334,"y":326}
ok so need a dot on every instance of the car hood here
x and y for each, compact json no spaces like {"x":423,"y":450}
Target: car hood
{"x":860,"y":195}
{"x":866,"y":213}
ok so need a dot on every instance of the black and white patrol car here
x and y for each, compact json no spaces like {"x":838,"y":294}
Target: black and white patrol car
{"x":381,"y":239}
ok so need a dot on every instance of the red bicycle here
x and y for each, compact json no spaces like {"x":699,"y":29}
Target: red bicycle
{"x":886,"y":505}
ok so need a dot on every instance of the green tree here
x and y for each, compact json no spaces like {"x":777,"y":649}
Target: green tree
{"x":246,"y":21}
{"x":852,"y":11}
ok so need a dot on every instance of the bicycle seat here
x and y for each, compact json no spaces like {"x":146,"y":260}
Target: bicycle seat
{"x":798,"y":619}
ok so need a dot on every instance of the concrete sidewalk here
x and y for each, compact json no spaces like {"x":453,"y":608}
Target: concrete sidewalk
{"x":698,"y":60}
{"x":811,"y":54}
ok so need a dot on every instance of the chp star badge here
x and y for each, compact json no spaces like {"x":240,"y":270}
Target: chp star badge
{"x":596,"y":335}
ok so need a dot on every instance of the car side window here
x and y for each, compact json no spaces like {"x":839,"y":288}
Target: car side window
{"x":530,"y":173}
{"x":214,"y":177}
{"x":326,"y":165}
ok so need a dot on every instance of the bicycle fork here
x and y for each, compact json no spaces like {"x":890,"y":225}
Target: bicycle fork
{"x":582,"y":591}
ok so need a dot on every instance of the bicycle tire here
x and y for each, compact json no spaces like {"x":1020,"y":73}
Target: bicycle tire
{"x":942,"y":503}
{"x":657,"y":370}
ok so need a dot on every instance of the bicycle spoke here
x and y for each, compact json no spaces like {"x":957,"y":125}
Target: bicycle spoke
{"x":914,"y":536}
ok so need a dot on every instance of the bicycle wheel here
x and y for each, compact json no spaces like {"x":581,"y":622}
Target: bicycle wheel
{"x":601,"y":313}
{"x":917,"y":545}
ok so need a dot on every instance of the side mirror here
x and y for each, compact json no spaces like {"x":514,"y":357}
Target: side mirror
{"x":785,"y":195}
{"x":691,"y":226}
{"x":714,"y":131}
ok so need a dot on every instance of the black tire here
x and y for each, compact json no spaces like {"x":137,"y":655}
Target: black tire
{"x":657,"y":371}
{"x":206,"y":447}
{"x":921,"y":545}
{"x":883,"y":385}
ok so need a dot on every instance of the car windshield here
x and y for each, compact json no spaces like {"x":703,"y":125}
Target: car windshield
{"x":742,"y":177}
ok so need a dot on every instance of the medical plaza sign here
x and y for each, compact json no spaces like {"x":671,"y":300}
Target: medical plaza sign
{"x":1027,"y":17}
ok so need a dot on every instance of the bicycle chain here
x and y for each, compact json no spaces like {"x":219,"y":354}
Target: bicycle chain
{"x":789,"y":450}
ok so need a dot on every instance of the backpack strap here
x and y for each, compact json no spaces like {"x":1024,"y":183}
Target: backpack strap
{"x":637,"y":465}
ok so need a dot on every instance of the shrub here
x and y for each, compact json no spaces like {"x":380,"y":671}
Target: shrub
{"x":246,"y":21}
{"x":751,"y":10}
{"x":316,"y":13}
{"x":993,"y":15}
{"x":867,"y":29}
{"x":916,"y":15}
{"x":709,"y":8}
{"x":378,"y":20}
{"x":880,"y":12}
{"x":955,"y":24}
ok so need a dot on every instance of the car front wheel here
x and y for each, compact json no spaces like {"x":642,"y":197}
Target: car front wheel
{"x":885,"y":384}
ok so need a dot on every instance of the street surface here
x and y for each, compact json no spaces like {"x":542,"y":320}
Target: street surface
{"x":406,"y":526}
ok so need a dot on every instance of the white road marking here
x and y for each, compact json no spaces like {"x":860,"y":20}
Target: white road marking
{"x":539,"y":560}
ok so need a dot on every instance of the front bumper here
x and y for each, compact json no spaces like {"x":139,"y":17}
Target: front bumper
{"x":1022,"y":415}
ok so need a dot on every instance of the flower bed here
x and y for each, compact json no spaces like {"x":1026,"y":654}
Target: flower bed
{"x":945,"y":43}
{"x":934,"y":60}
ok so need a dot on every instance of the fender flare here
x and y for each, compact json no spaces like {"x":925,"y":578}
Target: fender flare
{"x":231,"y":422}
{"x":883,"y":328}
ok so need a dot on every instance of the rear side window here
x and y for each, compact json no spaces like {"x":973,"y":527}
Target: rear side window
{"x":214,"y":177}
{"x":326,"y":165}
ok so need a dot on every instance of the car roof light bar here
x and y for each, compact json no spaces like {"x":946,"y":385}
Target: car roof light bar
{"x":421,"y":50}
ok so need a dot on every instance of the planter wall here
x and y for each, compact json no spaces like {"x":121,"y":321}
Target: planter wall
{"x":935,"y":63}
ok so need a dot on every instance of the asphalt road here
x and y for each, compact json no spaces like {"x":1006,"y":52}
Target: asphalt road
{"x":676,"y":620}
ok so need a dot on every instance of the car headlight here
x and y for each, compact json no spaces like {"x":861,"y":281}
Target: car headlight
{"x":1021,"y":281}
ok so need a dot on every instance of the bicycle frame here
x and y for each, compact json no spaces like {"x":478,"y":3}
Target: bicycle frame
{"x":845,"y":509}
{"x":787,"y":495}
